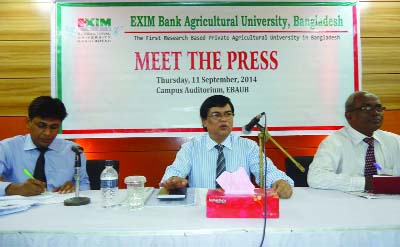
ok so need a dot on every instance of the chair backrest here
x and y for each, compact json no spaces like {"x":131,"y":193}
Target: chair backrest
{"x":94,"y":169}
{"x":299,"y":178}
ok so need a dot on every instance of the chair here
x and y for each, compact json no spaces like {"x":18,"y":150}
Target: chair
{"x":299,"y":178}
{"x":94,"y":169}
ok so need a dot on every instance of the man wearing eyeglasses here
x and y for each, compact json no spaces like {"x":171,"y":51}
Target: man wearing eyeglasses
{"x":347,"y":159}
{"x":39,"y":161}
{"x":199,"y":160}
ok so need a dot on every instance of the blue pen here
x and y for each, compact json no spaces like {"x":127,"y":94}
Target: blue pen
{"x":377,"y":166}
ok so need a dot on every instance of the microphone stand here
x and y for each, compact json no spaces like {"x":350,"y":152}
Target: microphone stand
{"x":77,"y":200}
{"x":264,"y":132}
{"x":262,"y":157}
{"x":261,"y":136}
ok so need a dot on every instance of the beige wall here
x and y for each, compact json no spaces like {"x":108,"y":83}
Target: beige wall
{"x":25,"y":52}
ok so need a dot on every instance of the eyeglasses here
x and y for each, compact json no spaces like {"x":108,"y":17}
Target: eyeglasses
{"x":43,"y":126}
{"x":369,"y":108}
{"x":218,"y":116}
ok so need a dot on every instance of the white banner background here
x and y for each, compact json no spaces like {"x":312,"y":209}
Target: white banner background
{"x":302,"y":87}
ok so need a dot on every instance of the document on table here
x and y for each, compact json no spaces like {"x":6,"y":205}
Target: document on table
{"x":14,"y":206}
{"x":146,"y":195}
{"x":189,"y":200}
{"x":17,"y":203}
{"x":44,"y":198}
{"x":372,"y":195}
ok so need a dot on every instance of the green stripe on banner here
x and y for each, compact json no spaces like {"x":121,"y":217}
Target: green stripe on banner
{"x":145,"y":4}
{"x":58,"y":63}
{"x":58,"y":51}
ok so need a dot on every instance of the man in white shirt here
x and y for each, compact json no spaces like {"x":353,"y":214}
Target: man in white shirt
{"x":197,"y":158}
{"x":340,"y":161}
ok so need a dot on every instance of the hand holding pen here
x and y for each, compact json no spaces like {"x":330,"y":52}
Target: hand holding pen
{"x":30,"y":187}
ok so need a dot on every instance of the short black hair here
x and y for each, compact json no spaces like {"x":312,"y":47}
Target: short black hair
{"x":214,"y":101}
{"x":47,"y":107}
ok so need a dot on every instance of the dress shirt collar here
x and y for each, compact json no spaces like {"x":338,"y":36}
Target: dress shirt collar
{"x":29,"y":145}
{"x":358,"y":137}
{"x":211,"y":143}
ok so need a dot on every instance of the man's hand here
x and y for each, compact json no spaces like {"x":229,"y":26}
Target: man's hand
{"x":174,"y":182}
{"x":68,"y":187}
{"x":30,"y":187}
{"x":283,"y":189}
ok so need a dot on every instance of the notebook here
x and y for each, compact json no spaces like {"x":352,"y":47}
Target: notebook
{"x":385,"y":184}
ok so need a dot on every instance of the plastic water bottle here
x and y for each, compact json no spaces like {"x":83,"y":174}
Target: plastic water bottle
{"x":109,"y":185}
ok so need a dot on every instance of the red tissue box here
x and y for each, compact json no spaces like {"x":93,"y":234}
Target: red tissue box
{"x":220,"y":205}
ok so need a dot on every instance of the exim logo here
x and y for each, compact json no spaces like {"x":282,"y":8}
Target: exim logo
{"x":94,"y":22}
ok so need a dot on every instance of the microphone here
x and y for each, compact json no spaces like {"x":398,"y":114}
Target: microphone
{"x":77,"y":149}
{"x":77,"y":200}
{"x":247,"y":128}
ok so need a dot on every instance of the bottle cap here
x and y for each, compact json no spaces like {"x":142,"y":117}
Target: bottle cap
{"x":109,"y":162}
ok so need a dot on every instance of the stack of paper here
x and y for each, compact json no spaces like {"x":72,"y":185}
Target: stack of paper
{"x":13,"y":206}
{"x":17,"y":203}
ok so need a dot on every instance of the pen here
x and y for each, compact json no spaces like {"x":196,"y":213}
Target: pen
{"x":27,"y":173}
{"x":377,"y":166}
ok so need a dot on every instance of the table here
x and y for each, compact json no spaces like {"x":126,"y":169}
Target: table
{"x":310,"y":218}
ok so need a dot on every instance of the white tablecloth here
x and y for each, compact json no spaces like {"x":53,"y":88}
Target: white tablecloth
{"x":310,"y":218}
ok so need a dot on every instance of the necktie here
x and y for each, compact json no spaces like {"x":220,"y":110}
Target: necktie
{"x":220,"y":162}
{"x":39,"y":168}
{"x":370,"y":169}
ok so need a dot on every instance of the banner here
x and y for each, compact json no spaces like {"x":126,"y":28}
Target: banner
{"x":144,"y":68}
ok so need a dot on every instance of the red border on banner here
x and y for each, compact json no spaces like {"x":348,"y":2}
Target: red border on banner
{"x":355,"y":44}
{"x":168,"y":130}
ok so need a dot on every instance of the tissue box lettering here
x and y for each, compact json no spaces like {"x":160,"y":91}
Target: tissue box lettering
{"x":221,"y":205}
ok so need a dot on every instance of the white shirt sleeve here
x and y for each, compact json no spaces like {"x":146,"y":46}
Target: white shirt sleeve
{"x":327,"y":169}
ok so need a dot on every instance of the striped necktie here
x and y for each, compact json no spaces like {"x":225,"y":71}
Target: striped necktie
{"x":370,"y":169}
{"x":220,"y":162}
{"x":39,"y":168}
